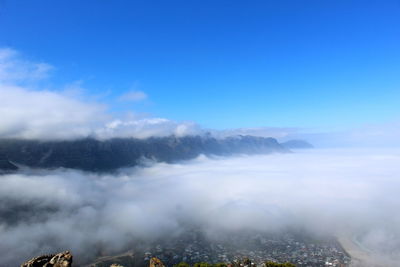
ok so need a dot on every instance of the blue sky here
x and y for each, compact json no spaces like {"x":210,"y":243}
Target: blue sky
{"x":223,"y":64}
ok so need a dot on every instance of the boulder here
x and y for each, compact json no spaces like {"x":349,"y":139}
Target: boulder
{"x":63,"y":259}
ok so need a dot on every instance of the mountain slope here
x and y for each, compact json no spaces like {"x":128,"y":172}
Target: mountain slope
{"x":108,"y":155}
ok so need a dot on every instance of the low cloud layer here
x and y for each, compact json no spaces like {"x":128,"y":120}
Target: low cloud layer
{"x":47,"y":115}
{"x":338,"y":192}
{"x":33,"y":114}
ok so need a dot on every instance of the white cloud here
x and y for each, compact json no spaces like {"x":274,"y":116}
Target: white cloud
{"x":326,"y":191}
{"x":26,"y":112}
{"x":14,"y":69}
{"x":142,"y":128}
{"x":133,"y":96}
{"x":65,"y":114}
{"x":32,"y":114}
{"x":275,"y":132}
{"x":373,"y":135}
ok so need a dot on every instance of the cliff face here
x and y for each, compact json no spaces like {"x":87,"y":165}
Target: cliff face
{"x":108,"y":155}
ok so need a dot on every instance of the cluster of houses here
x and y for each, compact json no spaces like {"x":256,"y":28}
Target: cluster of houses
{"x":194,"y":247}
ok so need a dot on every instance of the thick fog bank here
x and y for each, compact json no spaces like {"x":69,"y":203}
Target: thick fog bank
{"x":351,"y":192}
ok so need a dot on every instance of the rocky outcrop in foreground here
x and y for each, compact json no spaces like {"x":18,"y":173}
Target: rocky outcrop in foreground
{"x":63,"y":259}
{"x":155,"y":262}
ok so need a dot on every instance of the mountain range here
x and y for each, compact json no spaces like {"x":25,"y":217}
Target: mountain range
{"x":108,"y":155}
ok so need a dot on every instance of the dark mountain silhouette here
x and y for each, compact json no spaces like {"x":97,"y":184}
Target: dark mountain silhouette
{"x":6,"y":165}
{"x":94,"y":155}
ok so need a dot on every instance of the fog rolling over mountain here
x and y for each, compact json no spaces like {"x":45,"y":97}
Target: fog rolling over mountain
{"x":200,"y":131}
{"x":326,"y":193}
{"x":109,"y":155}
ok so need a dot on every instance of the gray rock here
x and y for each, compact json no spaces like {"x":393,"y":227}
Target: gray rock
{"x":63,"y":259}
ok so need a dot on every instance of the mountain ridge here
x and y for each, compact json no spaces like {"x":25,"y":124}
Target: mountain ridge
{"x":90,"y":154}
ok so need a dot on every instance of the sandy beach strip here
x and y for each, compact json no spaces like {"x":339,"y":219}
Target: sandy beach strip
{"x":361,"y":257}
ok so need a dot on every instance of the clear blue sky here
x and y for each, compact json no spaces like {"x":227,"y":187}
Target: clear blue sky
{"x":223,"y":64}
